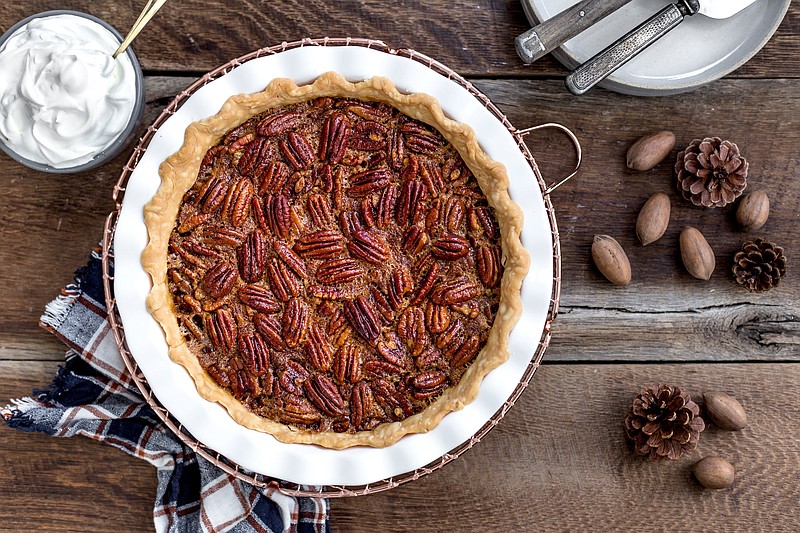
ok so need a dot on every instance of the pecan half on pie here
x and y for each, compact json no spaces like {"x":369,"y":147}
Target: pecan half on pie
{"x":336,"y":263}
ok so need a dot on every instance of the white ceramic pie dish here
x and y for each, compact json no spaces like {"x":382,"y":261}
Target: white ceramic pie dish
{"x":209,"y":422}
{"x":700,"y":50}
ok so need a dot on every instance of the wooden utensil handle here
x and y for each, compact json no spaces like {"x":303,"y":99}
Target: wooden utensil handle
{"x":552,"y":33}
{"x":627,"y":47}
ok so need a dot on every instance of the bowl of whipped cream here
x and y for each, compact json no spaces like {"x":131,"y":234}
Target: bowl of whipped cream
{"x":66,"y":105}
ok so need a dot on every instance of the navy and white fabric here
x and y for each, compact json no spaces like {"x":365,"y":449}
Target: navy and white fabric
{"x":93,"y":395}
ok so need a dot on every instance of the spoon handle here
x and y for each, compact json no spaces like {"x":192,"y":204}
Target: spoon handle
{"x":147,"y":13}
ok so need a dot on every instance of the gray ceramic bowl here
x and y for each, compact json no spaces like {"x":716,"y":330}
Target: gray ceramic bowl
{"x":124,"y":137}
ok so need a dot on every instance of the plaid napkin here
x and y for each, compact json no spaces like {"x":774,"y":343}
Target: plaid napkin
{"x":93,"y":395}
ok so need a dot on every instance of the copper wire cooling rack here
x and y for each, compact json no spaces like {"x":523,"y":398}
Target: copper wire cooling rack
{"x":219,"y":460}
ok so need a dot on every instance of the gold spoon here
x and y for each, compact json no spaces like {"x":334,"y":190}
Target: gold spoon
{"x":147,"y":13}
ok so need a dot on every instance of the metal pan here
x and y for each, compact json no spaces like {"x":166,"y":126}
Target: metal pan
{"x":258,"y":458}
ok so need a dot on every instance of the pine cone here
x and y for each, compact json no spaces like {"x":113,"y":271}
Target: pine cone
{"x":711,"y":172}
{"x":760,"y":265}
{"x":664,"y":422}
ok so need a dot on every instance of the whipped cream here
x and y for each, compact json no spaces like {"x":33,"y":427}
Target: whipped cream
{"x":63,"y":98}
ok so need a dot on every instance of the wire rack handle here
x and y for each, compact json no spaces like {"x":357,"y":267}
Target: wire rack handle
{"x":575,"y":143}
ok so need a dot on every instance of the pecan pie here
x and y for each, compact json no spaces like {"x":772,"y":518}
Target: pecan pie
{"x":336,"y":263}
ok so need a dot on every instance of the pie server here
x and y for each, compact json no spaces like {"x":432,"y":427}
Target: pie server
{"x":542,"y":39}
{"x":631,"y":44}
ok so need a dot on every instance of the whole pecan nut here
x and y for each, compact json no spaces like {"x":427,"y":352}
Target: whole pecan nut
{"x":386,"y":205}
{"x":379,"y":368}
{"x":278,"y":123}
{"x":451,"y":339}
{"x":283,"y":282}
{"x":291,"y":259}
{"x":411,"y":328}
{"x":253,"y":156}
{"x":319,"y":210}
{"x":211,"y":195}
{"x":361,"y":315}
{"x":252,"y":257}
{"x":392,"y":351}
{"x":488,"y":265}
{"x":368,"y":181}
{"x":325,"y":244}
{"x":333,"y":138}
{"x":368,"y":247}
{"x":382,"y":304}
{"x":426,"y":284}
{"x":437,"y":317}
{"x":411,"y":202}
{"x":298,"y":410}
{"x":318,"y":350}
{"x":338,"y":271}
{"x":349,"y":223}
{"x":466,"y":352}
{"x":374,"y":111}
{"x":455,"y":291}
{"x":295,"y":322}
{"x":362,"y":404}
{"x":450,"y":248}
{"x":220,"y":328}
{"x":414,"y":240}
{"x":428,"y":383}
{"x":431,"y":175}
{"x":254,"y":352}
{"x":236,"y":207}
{"x":347,"y":364}
{"x":482,"y":222}
{"x":454,"y":213}
{"x":278,"y":214}
{"x":273,"y":178}
{"x":221,"y":236}
{"x":419,"y":139}
{"x":297,"y":151}
{"x":191,"y":222}
{"x":219,"y":280}
{"x":259,"y":299}
{"x":324,"y":394}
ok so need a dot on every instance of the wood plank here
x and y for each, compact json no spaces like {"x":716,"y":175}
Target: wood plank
{"x":67,"y":485}
{"x":557,"y":462}
{"x":664,"y":310}
{"x":474,"y":37}
{"x":48,"y":225}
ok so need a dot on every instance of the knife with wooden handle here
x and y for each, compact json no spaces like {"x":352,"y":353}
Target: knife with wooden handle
{"x":553,"y":32}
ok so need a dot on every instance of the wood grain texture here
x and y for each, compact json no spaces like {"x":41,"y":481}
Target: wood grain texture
{"x":48,"y":225}
{"x":664,"y":313}
{"x":66,"y":485}
{"x":474,"y":37}
{"x":559,"y":462}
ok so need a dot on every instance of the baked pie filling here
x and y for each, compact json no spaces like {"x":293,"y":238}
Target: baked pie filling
{"x":334,"y":266}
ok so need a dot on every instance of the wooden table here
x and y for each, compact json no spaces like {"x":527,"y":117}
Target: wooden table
{"x":559,"y":460}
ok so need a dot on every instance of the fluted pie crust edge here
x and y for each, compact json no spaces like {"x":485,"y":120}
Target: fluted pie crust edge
{"x":179,"y":172}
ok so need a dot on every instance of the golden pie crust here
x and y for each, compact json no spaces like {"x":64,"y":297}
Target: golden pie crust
{"x":180,"y":171}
